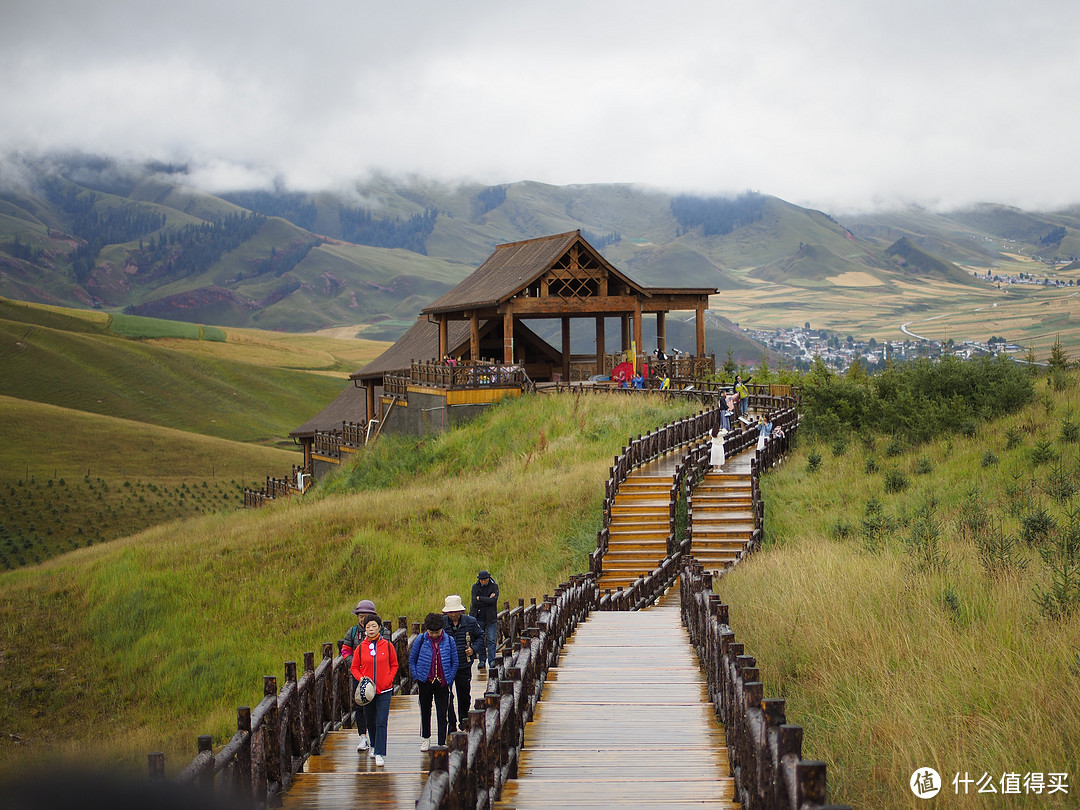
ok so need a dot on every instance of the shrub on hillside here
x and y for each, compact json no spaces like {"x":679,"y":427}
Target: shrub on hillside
{"x":918,"y":400}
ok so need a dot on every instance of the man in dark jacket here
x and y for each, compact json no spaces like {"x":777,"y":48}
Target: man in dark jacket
{"x":485,"y":609}
{"x":464,"y":630}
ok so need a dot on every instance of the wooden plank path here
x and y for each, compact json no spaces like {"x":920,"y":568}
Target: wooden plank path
{"x":624,"y":719}
{"x":341,"y":777}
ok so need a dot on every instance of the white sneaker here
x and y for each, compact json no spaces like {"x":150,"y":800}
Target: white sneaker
{"x":425,"y":743}
{"x":371,"y":751}
{"x":363,"y":744}
{"x":379,"y":761}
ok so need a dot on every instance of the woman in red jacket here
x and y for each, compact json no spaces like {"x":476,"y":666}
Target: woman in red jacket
{"x":376,"y":658}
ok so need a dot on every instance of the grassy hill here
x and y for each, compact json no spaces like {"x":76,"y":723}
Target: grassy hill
{"x":115,"y":423}
{"x":917,"y":606}
{"x":73,"y":479}
{"x":76,"y":361}
{"x":145,"y":642}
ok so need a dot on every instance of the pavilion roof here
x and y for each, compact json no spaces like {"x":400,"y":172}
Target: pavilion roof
{"x":514,"y":266}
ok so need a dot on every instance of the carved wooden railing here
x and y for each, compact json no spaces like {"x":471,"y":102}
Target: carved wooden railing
{"x":764,"y":750}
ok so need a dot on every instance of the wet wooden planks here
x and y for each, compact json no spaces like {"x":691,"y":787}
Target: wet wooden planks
{"x":624,"y":720}
{"x":340,"y":777}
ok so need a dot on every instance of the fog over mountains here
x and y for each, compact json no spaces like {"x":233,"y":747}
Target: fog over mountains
{"x":93,"y":231}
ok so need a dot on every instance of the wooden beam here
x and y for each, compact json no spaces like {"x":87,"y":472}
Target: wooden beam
{"x":600,"y":344}
{"x":566,"y":349}
{"x":444,"y":339}
{"x":594,"y":305}
{"x":474,"y":337}
{"x":701,"y":328}
{"x":508,"y":337}
{"x":661,"y":331}
{"x":625,"y":328}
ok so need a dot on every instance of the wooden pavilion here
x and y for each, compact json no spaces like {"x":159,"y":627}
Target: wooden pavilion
{"x":481,"y":322}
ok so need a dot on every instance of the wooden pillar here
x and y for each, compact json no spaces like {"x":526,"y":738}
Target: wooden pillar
{"x":474,"y":336}
{"x":700,"y":329}
{"x":637,"y":336}
{"x":600,"y":344}
{"x":566,"y":349}
{"x":369,"y":391}
{"x":508,"y":337}
{"x":661,"y":331}
{"x":625,"y":318}
{"x":444,"y":340}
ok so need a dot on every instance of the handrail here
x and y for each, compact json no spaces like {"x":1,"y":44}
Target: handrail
{"x":764,"y":750}
{"x":471,"y":770}
{"x":274,"y":739}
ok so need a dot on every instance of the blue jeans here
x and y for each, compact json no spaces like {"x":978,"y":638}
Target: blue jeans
{"x":376,"y":714}
{"x":491,"y":633}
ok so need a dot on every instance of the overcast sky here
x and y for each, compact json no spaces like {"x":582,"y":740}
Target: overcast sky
{"x":836,"y":104}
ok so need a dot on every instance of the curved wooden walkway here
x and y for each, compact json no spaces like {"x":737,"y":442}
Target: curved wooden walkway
{"x":625,"y":720}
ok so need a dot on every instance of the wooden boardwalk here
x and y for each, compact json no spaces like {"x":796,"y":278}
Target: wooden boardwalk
{"x":624,"y":720}
{"x":341,"y":777}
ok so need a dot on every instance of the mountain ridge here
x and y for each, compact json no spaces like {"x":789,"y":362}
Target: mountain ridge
{"x":93,"y":232}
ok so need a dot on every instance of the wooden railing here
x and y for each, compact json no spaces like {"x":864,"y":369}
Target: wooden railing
{"x":472,"y":769}
{"x":433,"y":374}
{"x":764,"y":750}
{"x":273,"y":740}
{"x":275,"y":488}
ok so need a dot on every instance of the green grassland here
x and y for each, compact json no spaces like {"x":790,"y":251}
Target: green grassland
{"x":79,"y":363}
{"x":72,"y":479}
{"x":916,"y":607}
{"x":143,"y":643}
{"x":106,"y":435}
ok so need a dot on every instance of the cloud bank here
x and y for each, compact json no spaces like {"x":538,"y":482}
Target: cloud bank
{"x":840,"y":104}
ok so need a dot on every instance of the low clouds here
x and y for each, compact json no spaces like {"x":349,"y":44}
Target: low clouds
{"x":839,"y":104}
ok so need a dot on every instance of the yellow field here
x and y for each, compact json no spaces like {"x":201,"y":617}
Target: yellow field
{"x":335,"y":355}
{"x":1029,"y":315}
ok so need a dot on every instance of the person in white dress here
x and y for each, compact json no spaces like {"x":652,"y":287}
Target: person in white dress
{"x":716,"y":452}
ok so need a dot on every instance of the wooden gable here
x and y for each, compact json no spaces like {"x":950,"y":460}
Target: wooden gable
{"x":581,"y":273}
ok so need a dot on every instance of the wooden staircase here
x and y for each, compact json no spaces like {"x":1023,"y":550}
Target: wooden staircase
{"x":640,"y":524}
{"x":722,"y":517}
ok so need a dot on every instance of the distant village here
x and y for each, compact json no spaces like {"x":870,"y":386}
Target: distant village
{"x":801,"y":344}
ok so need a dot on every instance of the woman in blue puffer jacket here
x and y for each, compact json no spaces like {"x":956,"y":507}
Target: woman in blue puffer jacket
{"x":433,"y":662}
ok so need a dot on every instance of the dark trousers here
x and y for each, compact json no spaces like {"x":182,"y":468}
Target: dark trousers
{"x":441,"y":694}
{"x":377,"y":713}
{"x":358,"y":711}
{"x":463,"y":689}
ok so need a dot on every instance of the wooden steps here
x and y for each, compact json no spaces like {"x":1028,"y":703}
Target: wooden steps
{"x":722,"y":518}
{"x":640,"y":524}
{"x":624,"y":721}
